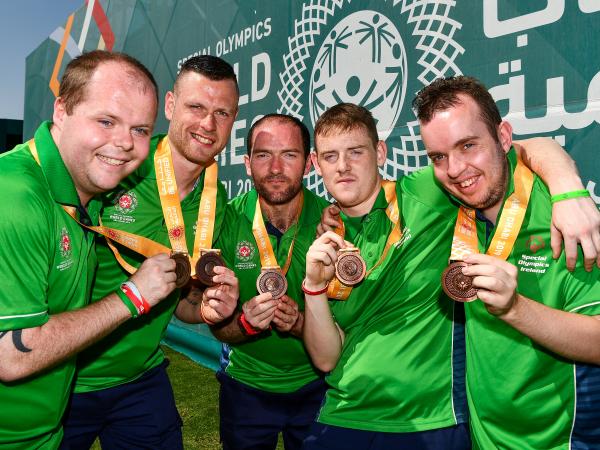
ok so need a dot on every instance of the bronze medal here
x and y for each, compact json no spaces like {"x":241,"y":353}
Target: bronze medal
{"x":350,"y":267}
{"x":183,"y":268}
{"x":206,"y":264}
{"x":273,"y":281}
{"x":456,"y":285}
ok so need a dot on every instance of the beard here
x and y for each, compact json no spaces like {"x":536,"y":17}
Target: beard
{"x":497,"y":190}
{"x":280,"y":197}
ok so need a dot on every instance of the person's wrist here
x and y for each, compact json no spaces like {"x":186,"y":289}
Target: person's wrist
{"x":296,"y":329}
{"x":245,"y":326}
{"x":565,"y":184}
{"x":311,"y":288}
{"x":132,"y":293}
{"x":578,"y":193}
{"x":511,"y":313}
{"x":127,"y":302}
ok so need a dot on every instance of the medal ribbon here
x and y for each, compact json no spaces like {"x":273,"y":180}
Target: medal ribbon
{"x":171,"y":206}
{"x":148,"y":247}
{"x":464,"y":241}
{"x":265,"y":249}
{"x":139,"y":244}
{"x":338,"y":290}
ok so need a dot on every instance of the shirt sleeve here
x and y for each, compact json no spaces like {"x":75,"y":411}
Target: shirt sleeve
{"x":582,"y":290}
{"x":26,"y":255}
{"x":225,"y":239}
{"x":220,"y":212}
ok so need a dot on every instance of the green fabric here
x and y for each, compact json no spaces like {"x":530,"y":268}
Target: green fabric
{"x":522,"y":396}
{"x":274,"y":362}
{"x":396,"y":370}
{"x":133,"y":348}
{"x":47,"y":265}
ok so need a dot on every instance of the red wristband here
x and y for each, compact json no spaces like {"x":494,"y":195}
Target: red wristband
{"x":246,"y":328}
{"x":140,"y":302}
{"x":307,"y":292}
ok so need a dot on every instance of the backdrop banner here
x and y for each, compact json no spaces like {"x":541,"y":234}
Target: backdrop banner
{"x":540,"y":60}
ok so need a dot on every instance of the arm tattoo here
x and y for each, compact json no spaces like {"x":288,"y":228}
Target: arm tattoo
{"x":17,"y":340}
{"x":194,"y":297}
{"x":191,"y":301}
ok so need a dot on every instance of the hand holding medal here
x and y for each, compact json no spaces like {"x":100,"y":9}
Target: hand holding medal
{"x":350,"y":267}
{"x":205,"y":266}
{"x":272,"y":277}
{"x":456,"y":285}
{"x":272,"y":280}
{"x":459,"y":286}
{"x":321,"y":260}
{"x":183,"y":268}
{"x":201,"y":263}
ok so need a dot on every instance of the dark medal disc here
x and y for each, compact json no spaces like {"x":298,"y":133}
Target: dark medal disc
{"x":183,"y":268}
{"x":350,"y":268}
{"x":456,"y":285}
{"x":205,"y":267}
{"x":273,"y":281}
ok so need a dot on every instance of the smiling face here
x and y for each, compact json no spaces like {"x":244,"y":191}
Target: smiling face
{"x":277,"y":163}
{"x":107,"y":134}
{"x":348,"y":162}
{"x":469,"y":162}
{"x":201,"y":112}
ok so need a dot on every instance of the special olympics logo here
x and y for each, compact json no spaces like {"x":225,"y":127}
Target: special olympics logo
{"x":535,"y":243}
{"x":360,"y":56}
{"x":362,"y":60}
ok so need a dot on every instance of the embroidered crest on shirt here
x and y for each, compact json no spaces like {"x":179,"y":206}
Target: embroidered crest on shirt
{"x":244,"y":254}
{"x":65,"y":249}
{"x":124,"y":205}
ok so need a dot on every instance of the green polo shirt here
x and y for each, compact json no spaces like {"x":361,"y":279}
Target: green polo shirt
{"x":522,"y":396}
{"x":401,"y":368}
{"x":273,"y":362}
{"x":47,"y":264}
{"x":133,"y":348}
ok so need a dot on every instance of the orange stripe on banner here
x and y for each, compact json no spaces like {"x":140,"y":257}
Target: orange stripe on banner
{"x":54,"y":83}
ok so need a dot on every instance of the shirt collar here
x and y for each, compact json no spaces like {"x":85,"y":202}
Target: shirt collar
{"x":380,"y":203}
{"x":58,"y":177}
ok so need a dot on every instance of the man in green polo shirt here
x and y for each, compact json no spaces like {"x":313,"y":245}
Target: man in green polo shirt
{"x":268,"y":384}
{"x":102,"y":122}
{"x":122,"y":392}
{"x":533,"y":334}
{"x":395,"y":346}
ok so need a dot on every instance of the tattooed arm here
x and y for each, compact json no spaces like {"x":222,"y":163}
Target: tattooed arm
{"x":30,"y":350}
{"x":211,"y":305}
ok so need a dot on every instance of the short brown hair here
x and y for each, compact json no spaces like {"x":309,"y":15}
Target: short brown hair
{"x":443,"y":94}
{"x":346,"y":117}
{"x":80,"y":70}
{"x":211,"y":67}
{"x":282,"y":118}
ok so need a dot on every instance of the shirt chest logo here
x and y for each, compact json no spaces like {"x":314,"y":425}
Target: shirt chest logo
{"x":125,"y":204}
{"x":534,"y":263}
{"x":244,"y":254}
{"x":65,"y":249}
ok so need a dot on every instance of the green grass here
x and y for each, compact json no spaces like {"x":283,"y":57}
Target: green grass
{"x":197,"y":397}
